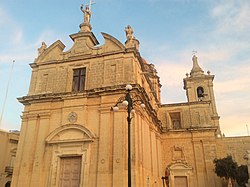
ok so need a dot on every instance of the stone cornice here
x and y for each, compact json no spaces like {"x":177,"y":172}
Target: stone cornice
{"x":190,"y":129}
{"x":186,"y":104}
{"x":110,"y":90}
{"x":201,"y":77}
{"x":52,"y":97}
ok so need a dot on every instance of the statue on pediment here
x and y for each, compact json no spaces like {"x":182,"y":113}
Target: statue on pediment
{"x":42,"y":48}
{"x":86,"y":12}
{"x":129,"y":32}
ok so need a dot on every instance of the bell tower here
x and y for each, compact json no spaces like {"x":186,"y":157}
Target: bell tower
{"x":199,"y":88}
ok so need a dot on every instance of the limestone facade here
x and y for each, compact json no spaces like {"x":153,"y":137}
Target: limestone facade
{"x":8,"y":147}
{"x":71,"y":136}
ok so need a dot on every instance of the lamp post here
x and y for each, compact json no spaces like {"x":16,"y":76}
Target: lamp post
{"x":128,"y":101}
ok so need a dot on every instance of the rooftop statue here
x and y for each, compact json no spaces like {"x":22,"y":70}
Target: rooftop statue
{"x":129,"y":32}
{"x":86,"y":12}
{"x":42,"y":48}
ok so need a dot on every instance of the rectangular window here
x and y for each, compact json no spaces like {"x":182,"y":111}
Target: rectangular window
{"x":175,"y":120}
{"x":79,"y":77}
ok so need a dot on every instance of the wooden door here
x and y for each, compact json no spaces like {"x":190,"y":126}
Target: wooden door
{"x":70,"y":172}
{"x":180,"y":181}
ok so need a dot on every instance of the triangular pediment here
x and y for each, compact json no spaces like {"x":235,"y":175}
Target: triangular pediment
{"x":52,"y":53}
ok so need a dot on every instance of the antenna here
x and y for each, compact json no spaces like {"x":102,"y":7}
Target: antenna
{"x":6,"y":94}
{"x":247,"y":130}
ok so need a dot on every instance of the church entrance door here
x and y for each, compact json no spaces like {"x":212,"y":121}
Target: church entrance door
{"x":70,"y":171}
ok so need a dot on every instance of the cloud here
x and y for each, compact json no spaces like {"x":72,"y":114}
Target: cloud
{"x":170,"y":73}
{"x":232,"y":16}
{"x":234,"y":125}
{"x":4,"y":17}
{"x":11,"y":31}
{"x":14,"y":45}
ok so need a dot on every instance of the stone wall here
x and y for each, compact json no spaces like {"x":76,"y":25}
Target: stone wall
{"x":8,"y":144}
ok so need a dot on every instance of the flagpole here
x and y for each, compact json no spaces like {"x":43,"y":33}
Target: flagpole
{"x":6,"y":94}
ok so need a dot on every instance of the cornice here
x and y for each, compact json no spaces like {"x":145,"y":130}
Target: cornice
{"x":186,"y":103}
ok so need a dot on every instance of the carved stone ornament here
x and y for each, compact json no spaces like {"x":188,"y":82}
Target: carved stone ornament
{"x":178,"y":154}
{"x":72,"y":117}
{"x":42,"y":48}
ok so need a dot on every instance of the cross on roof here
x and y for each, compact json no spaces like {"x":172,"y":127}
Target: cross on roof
{"x":90,"y":3}
{"x":194,"y":52}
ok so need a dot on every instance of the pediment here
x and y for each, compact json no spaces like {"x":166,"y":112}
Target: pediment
{"x":83,"y":44}
{"x":52,"y":53}
{"x":86,"y":44}
{"x":180,"y":166}
{"x":70,"y":133}
{"x":111,"y":43}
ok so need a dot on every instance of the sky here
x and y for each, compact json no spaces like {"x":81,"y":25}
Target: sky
{"x":168,"y":30}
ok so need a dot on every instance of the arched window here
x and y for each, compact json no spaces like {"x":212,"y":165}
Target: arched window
{"x":7,"y":184}
{"x":200,"y":92}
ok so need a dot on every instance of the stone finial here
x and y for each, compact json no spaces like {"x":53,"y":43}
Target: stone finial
{"x":196,"y":70}
{"x":42,"y":48}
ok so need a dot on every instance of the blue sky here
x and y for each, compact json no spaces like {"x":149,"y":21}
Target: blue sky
{"x":168,"y":31}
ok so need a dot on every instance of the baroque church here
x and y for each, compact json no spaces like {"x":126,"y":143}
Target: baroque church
{"x":93,"y":117}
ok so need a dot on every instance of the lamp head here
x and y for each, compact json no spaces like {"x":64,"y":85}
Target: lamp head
{"x":125,"y":103}
{"x":128,"y":87}
{"x":143,"y":105}
{"x":115,"y":108}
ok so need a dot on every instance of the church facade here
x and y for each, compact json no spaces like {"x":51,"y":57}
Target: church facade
{"x":72,"y":136}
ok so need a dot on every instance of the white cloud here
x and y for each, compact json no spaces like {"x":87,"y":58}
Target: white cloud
{"x":171,"y":74}
{"x":4,"y":17}
{"x":234,"y":125}
{"x":14,"y":46}
{"x":233,"y":16}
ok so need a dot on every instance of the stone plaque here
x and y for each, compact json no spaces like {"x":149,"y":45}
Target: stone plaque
{"x":72,"y":117}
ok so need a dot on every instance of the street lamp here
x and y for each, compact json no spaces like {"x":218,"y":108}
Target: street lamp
{"x":128,"y":101}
